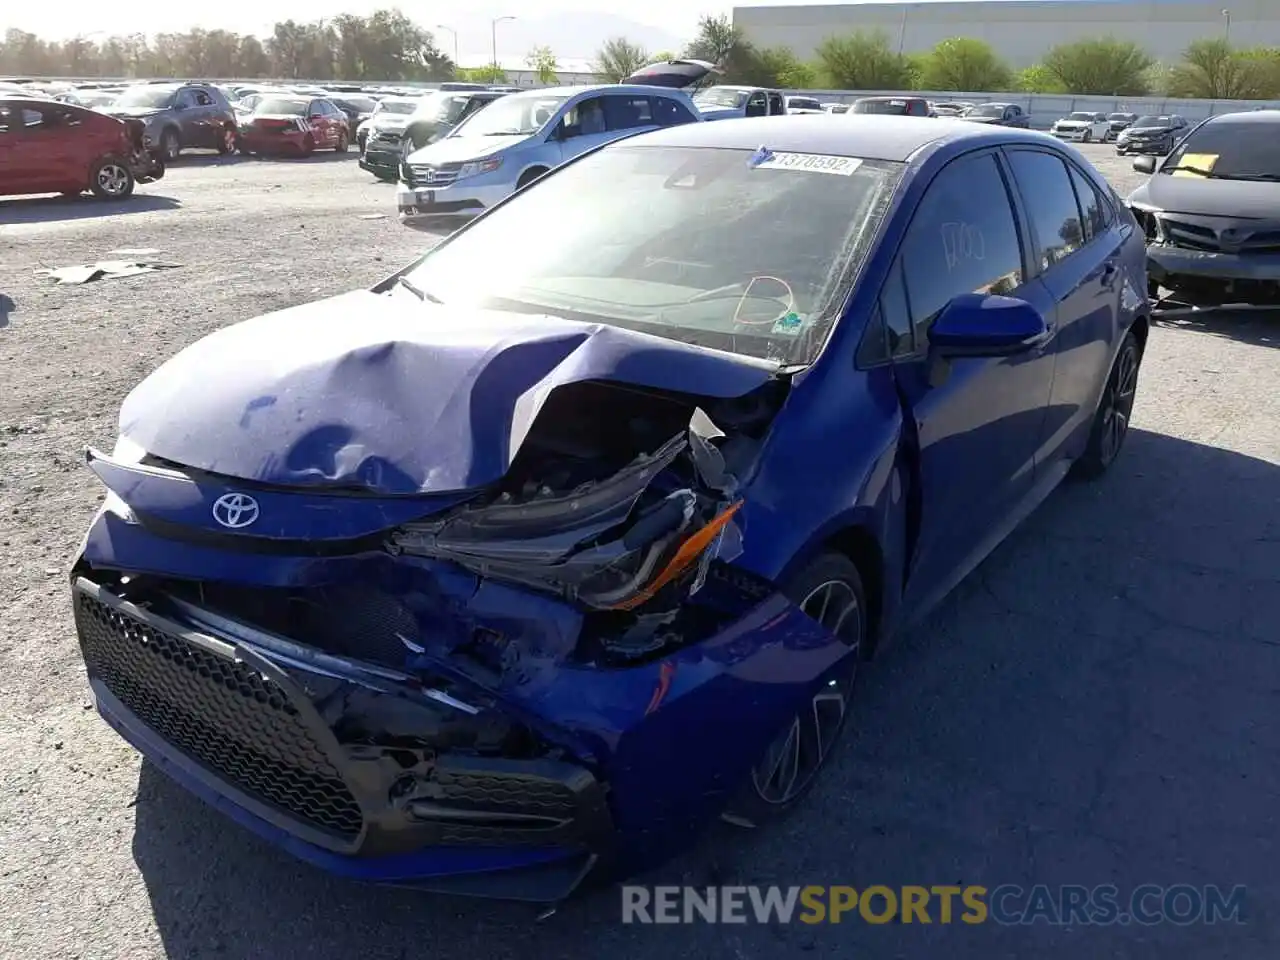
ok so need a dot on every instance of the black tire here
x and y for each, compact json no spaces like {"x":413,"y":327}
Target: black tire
{"x":227,"y":143}
{"x":170,"y":145}
{"x":111,"y":179}
{"x":1115,"y":407}
{"x":1088,"y":136}
{"x":244,"y":151}
{"x":758,"y":802}
{"x":529,"y":176}
{"x":342,"y":143}
{"x":308,"y":145}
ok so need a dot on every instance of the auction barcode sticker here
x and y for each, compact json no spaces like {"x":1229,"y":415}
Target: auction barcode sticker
{"x":810,"y":163}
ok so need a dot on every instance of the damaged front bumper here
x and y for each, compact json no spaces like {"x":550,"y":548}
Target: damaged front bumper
{"x":503,"y":698}
{"x":1212,"y":278}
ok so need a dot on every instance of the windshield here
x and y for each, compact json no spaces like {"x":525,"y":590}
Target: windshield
{"x":1231,"y":150}
{"x":396,"y":106}
{"x":358,"y":104}
{"x":90,"y":99}
{"x":512,"y":116}
{"x":988,"y":110}
{"x":1151,"y":122}
{"x":443,"y":107}
{"x":156,"y":98}
{"x":803,"y":103}
{"x":281,"y":106}
{"x":1087,"y":117}
{"x":1120,"y":116}
{"x":891,"y":107}
{"x":721,"y":97}
{"x":667,"y":241}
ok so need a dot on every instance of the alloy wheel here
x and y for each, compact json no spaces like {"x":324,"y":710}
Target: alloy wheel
{"x":113,"y":179}
{"x":793,"y":759}
{"x":1118,"y":405}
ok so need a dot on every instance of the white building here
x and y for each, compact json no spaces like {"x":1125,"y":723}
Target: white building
{"x":1020,"y":30}
{"x":569,"y":72}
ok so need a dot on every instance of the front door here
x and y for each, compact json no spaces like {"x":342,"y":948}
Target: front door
{"x":582,"y":127}
{"x":1078,"y":250}
{"x":978,"y":421}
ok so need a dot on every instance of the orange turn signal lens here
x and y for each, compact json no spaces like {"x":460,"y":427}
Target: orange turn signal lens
{"x":685,"y":557}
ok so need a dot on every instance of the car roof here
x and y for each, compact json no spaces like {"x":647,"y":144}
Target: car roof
{"x":636,"y":89}
{"x":869,"y":136}
{"x":1247,"y":116}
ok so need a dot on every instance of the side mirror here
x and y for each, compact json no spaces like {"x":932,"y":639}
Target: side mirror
{"x":179,"y":105}
{"x":979,"y":325}
{"x":1144,"y":164}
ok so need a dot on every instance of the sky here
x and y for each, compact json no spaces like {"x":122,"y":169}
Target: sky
{"x":67,"y":18}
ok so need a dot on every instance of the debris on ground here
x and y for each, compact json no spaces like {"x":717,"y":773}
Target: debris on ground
{"x":372,"y":216}
{"x":105,"y":270}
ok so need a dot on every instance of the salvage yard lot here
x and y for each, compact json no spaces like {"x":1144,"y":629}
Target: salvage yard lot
{"x":1096,"y":704}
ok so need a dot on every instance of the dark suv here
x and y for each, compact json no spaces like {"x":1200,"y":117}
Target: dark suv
{"x":179,"y":116}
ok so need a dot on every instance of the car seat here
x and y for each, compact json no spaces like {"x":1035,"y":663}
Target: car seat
{"x":592,"y":120}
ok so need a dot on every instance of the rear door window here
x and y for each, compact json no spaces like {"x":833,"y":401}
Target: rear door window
{"x":627,"y":112}
{"x":1050,"y":199}
{"x":1093,"y":207}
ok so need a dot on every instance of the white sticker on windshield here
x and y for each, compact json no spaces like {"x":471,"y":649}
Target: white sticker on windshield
{"x":806,"y":162}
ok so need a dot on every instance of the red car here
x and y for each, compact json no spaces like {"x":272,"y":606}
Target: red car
{"x":51,"y":147}
{"x":294,"y":125}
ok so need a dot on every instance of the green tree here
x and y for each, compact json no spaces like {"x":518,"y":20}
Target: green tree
{"x":1038,"y":79}
{"x":862,"y":61}
{"x":785,"y":69}
{"x":663,"y":56}
{"x":964,"y":64}
{"x":618,"y":59}
{"x":486,"y":74}
{"x":1211,"y":70}
{"x":1100,"y":66}
{"x":542,"y":61}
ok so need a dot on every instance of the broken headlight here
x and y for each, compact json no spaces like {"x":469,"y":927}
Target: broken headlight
{"x":611,"y":544}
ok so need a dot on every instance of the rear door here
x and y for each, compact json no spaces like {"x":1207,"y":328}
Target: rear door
{"x":1078,"y":242}
{"x":14,"y":164}
{"x":978,"y":421}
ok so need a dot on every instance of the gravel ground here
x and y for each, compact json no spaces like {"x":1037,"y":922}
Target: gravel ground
{"x":1096,"y":704}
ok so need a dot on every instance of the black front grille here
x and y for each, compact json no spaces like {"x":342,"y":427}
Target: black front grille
{"x":221,"y":712}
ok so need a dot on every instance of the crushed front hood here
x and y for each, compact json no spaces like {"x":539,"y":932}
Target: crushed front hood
{"x":393,"y":396}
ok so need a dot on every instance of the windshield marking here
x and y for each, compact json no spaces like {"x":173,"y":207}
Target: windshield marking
{"x":765,"y":159}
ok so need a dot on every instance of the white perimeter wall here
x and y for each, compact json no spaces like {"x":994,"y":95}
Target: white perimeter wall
{"x":1020,"y":30}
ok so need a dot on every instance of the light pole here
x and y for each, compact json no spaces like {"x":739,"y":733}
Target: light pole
{"x":1226,"y":15}
{"x":493,"y":35}
{"x":453,"y":33}
{"x":902,"y":30}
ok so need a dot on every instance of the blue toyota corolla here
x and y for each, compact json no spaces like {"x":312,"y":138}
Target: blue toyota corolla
{"x":523,"y":565}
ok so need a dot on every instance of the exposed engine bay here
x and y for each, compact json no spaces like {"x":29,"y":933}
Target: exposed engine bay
{"x":606,"y":492}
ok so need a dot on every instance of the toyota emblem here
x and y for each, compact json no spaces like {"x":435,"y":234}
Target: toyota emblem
{"x":235,"y":511}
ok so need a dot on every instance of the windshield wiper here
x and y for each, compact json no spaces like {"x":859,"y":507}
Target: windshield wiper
{"x":1193,"y":169}
{"x":1261,"y":177}
{"x":417,"y":291}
